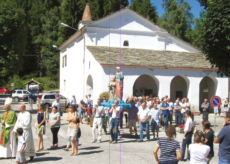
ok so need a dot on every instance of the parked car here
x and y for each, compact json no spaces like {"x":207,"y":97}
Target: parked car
{"x":15,"y":89}
{"x":12,"y":91}
{"x":4,"y":90}
{"x":25,"y":98}
{"x":48,"y":98}
{"x":19,"y":94}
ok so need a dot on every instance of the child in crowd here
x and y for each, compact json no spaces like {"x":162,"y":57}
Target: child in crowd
{"x":20,"y":156}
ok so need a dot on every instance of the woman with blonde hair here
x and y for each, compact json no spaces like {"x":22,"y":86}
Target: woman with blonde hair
{"x":40,"y":126}
{"x":199,"y":151}
{"x":72,"y":128}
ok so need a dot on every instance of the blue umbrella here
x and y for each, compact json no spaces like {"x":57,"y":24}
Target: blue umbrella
{"x":121,"y":103}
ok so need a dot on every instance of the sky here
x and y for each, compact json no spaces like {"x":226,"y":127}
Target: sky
{"x":194,"y":3}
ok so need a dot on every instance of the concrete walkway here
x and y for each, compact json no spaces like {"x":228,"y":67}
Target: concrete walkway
{"x":127,"y":150}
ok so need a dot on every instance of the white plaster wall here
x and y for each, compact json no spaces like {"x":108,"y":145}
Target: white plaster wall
{"x":73,"y":72}
{"x":126,"y":20}
{"x":95,"y":70}
{"x":139,"y":32}
{"x":165,"y":77}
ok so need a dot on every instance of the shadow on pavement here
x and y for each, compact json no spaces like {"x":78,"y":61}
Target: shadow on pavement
{"x":129,"y":141}
{"x":89,"y":148}
{"x":90,"y":152}
{"x":41,"y":154}
{"x":42,"y":159}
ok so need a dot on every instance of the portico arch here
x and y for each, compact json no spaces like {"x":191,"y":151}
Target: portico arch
{"x":208,"y":87}
{"x":146,"y":85}
{"x":89,"y":85}
{"x":179,"y":87}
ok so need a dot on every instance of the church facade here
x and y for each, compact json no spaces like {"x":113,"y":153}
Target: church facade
{"x":152,"y":60}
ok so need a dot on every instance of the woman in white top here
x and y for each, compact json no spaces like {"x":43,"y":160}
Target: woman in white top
{"x":187,"y":138}
{"x":183,"y":110}
{"x":198,"y":150}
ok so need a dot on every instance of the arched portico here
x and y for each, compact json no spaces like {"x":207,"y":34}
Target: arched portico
{"x":179,"y":87}
{"x":208,"y":87}
{"x":146,"y":85}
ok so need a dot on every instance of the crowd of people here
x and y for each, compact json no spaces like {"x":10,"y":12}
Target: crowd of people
{"x":145,"y":112}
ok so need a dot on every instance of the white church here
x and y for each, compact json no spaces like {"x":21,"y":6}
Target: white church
{"x":152,"y":60}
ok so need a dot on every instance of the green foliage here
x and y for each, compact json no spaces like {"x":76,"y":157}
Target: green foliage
{"x":12,"y":41}
{"x":203,"y":3}
{"x":198,"y":30}
{"x":145,"y":8}
{"x":177,"y":18}
{"x":19,"y":82}
{"x":113,"y":6}
{"x":106,"y":94}
{"x":216,"y":37}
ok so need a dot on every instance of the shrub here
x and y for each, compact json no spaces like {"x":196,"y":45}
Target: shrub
{"x":106,"y":94}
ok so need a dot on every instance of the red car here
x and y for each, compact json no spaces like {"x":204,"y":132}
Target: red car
{"x":4,"y":90}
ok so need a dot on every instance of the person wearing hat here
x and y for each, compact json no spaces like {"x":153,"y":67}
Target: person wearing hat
{"x":7,"y":140}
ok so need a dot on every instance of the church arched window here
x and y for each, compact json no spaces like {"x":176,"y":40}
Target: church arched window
{"x":126,"y":43}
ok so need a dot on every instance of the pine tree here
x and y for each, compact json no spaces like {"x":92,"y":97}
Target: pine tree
{"x":145,"y":8}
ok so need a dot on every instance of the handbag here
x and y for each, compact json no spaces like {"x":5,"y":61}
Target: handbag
{"x":36,"y":125}
{"x":78,"y":133}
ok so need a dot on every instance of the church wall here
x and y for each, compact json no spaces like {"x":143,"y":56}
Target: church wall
{"x":126,"y":21}
{"x":139,"y":32}
{"x":93,"y":68}
{"x":136,"y":39}
{"x":73,"y":72}
{"x":165,"y":77}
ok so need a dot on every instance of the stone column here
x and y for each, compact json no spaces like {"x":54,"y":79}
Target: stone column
{"x":194,"y":93}
{"x":164,"y":85}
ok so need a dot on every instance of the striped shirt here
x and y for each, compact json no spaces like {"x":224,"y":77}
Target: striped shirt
{"x":168,"y":149}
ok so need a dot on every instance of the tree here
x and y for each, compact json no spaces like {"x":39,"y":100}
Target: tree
{"x":177,"y":18}
{"x":203,"y":3}
{"x":48,"y":38}
{"x":12,"y":40}
{"x":198,"y":30}
{"x":113,"y":6}
{"x":216,"y":37}
{"x":145,"y":8}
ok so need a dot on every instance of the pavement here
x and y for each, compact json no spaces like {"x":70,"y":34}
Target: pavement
{"x":127,"y":150}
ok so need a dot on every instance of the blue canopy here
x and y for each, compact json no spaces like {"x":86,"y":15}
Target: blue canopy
{"x":121,"y":103}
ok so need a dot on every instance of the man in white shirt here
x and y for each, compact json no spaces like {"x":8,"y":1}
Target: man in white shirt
{"x":73,"y":101}
{"x":86,"y":99}
{"x":57,"y":104}
{"x":97,"y":121}
{"x":149,"y":102}
{"x":187,"y":104}
{"x":24,"y":121}
{"x":171,"y":106}
{"x":144,"y":116}
{"x":187,"y":138}
{"x":115,"y":110}
{"x":183,"y":110}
